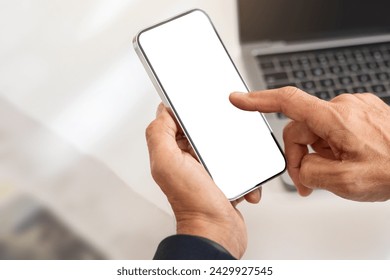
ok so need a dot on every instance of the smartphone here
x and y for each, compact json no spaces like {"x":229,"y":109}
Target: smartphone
{"x":194,"y":75}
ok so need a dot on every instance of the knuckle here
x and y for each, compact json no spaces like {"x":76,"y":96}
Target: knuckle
{"x":290,"y":90}
{"x":288,"y":93}
{"x":345,"y":97}
{"x":150,"y":129}
{"x":344,"y":180}
{"x":306,"y":179}
{"x":368,"y":95}
{"x":305,"y":176}
{"x":296,"y":96}
{"x":345,"y":183}
{"x":369,"y":98}
{"x":156,"y":171}
{"x":287,"y":130}
{"x":345,"y":191}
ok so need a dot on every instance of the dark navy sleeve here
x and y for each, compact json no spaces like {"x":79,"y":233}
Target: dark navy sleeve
{"x":190,"y":247}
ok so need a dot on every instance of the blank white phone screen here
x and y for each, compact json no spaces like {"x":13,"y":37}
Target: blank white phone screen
{"x":197,"y":75}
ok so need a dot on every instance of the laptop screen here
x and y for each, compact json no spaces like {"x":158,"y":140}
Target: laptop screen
{"x":287,"y":20}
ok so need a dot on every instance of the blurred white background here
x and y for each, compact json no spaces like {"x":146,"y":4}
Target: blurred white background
{"x":74,"y":104}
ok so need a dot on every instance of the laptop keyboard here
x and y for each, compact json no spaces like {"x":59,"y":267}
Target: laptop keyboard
{"x":327,"y":73}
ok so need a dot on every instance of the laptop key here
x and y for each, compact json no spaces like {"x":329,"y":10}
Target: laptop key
{"x":299,"y":74}
{"x":354,"y":67}
{"x":345,"y":80}
{"x":340,"y":58}
{"x":309,"y":85}
{"x":322,"y":59}
{"x":364,"y":78}
{"x":323,"y":95}
{"x":377,"y":54}
{"x":372,"y":65}
{"x":382,"y":76}
{"x":378,"y":89}
{"x":336,"y":69}
{"x":360,"y":89}
{"x":281,"y":116}
{"x":267,"y":65}
{"x":304,"y":61}
{"x":317,"y":71}
{"x":359,"y":56}
{"x":285,"y":63}
{"x":274,"y":77}
{"x":327,"y":83}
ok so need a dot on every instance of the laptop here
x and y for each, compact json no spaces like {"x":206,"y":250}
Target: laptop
{"x":324,"y":47}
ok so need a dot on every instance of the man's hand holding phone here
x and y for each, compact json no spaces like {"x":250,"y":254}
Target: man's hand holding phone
{"x":199,"y":206}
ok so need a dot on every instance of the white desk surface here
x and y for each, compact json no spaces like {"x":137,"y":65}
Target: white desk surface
{"x":74,"y":103}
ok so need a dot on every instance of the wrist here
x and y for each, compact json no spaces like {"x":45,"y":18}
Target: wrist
{"x":220,"y":232}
